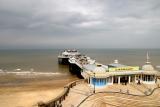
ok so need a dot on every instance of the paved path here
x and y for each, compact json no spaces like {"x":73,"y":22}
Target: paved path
{"x":76,"y":95}
{"x":81,"y":91}
{"x":122,"y":100}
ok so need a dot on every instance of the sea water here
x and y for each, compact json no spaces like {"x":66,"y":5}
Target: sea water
{"x":44,"y":62}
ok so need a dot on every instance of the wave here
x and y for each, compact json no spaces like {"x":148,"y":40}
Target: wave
{"x":31,"y":73}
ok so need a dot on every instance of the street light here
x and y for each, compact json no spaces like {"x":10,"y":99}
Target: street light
{"x":94,"y":82}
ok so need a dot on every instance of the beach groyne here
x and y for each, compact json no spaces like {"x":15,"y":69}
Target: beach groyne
{"x":56,"y":102}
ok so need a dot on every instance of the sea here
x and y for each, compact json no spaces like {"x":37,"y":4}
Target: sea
{"x":44,"y":62}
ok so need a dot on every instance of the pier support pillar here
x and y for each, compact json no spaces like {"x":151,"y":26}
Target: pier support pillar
{"x":141,"y":78}
{"x":119,"y":79}
{"x":88,"y":80}
{"x":129,"y":79}
{"x":112,"y":80}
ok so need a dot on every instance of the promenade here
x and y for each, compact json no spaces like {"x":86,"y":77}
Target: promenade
{"x":130,"y":95}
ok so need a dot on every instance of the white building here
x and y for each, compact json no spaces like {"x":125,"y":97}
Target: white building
{"x":101,"y":76}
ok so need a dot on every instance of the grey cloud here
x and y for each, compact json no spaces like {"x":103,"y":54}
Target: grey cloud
{"x":80,"y":23}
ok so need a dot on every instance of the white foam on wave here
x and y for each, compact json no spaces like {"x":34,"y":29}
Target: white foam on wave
{"x":31,"y":73}
{"x":34,"y":73}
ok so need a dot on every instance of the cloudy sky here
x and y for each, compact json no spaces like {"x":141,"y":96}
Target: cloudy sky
{"x":79,"y":24}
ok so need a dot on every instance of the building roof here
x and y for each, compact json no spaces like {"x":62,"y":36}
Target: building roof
{"x":90,"y":67}
{"x":117,"y":65}
{"x":107,"y":74}
{"x":148,"y":67}
{"x":99,"y":70}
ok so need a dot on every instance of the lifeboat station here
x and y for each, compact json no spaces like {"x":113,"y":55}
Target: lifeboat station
{"x":100,"y":76}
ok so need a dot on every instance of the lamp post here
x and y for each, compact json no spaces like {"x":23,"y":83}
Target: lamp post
{"x":94,"y":82}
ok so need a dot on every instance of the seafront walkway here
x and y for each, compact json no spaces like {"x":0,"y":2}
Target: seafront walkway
{"x":129,"y":95}
{"x":122,"y":100}
{"x":80,"y":94}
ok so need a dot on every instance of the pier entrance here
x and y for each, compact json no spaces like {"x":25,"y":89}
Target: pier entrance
{"x":124,"y":80}
{"x":115,"y":79}
{"x":121,"y":79}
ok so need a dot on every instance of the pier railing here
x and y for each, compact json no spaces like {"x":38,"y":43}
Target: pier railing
{"x":56,"y":102}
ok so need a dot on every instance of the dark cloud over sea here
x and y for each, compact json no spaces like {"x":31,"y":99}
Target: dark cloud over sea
{"x":79,"y":23}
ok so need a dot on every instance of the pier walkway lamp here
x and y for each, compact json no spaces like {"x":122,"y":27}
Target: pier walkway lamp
{"x":94,"y":82}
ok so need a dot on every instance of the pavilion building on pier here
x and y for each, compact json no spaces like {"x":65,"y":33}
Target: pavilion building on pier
{"x":101,"y":76}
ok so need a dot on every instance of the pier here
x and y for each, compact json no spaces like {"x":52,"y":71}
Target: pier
{"x":77,"y":64}
{"x":98,"y":82}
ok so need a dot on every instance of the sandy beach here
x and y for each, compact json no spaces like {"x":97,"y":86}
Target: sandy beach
{"x":28,"y":93}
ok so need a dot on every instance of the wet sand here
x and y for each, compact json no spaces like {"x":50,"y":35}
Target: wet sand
{"x":33,"y":90}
